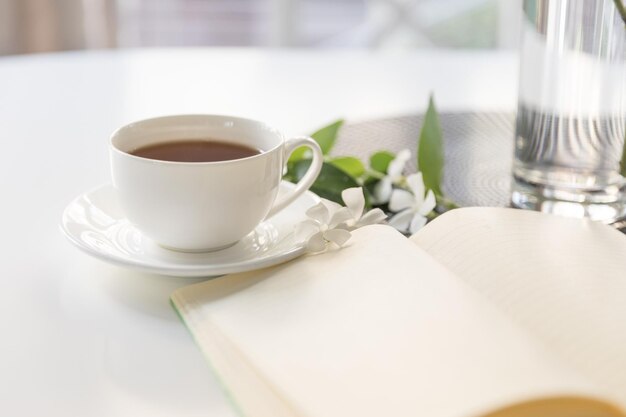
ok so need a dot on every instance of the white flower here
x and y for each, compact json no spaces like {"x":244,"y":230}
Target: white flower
{"x":412,"y":207}
{"x":321,"y":227}
{"x":329,"y":222}
{"x":354,"y":200}
{"x":382,"y":191}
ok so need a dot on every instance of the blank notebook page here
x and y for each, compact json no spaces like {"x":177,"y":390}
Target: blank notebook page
{"x":375,"y":329}
{"x":564,"y":280}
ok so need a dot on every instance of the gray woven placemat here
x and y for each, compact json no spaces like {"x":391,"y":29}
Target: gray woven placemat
{"x":478,"y":151}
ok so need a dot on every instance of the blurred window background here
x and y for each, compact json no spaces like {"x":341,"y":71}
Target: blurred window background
{"x":28,"y":26}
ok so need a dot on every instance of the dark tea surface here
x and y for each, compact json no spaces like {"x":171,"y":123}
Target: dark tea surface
{"x":195,"y":150}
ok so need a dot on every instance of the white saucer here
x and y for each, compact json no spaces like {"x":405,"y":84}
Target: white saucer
{"x":94,"y":223}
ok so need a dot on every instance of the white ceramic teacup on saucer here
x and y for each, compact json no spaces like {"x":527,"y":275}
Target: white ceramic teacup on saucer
{"x":203,"y":206}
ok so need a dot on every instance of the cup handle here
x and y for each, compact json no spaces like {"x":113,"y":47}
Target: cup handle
{"x":310,"y":176}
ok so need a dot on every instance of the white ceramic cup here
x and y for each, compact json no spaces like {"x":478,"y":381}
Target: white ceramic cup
{"x":203,"y":206}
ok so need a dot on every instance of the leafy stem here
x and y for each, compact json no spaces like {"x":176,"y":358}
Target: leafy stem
{"x":382,"y":176}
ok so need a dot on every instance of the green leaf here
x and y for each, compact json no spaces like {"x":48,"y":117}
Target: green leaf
{"x":369,"y":186}
{"x":330,"y":183}
{"x":430,"y":150}
{"x":380,"y":161}
{"x":299,"y":154}
{"x":325,"y":137}
{"x":289,"y":176}
{"x":350,"y":165}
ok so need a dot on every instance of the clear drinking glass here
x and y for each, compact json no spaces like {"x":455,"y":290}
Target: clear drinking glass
{"x":571,"y":120}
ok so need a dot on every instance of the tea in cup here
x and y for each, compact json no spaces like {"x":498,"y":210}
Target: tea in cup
{"x":199,"y":183}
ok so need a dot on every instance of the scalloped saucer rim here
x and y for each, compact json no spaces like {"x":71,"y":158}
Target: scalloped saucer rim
{"x":94,"y":223}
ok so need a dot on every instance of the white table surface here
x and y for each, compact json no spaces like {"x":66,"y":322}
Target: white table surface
{"x":82,"y":338}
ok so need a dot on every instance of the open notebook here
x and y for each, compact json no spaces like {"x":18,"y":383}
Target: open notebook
{"x":484,"y":312}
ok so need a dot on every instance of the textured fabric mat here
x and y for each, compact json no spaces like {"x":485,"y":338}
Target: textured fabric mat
{"x":478,"y":151}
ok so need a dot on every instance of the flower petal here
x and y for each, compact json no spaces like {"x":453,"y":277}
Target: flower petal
{"x":306,"y":229}
{"x":373,"y":216}
{"x":416,"y":185}
{"x":400,"y":200}
{"x":316,"y":243}
{"x":402,"y":220}
{"x":417,"y":222}
{"x":337,"y":236}
{"x":404,"y":154}
{"x":355,"y":201}
{"x":382,"y":190}
{"x":397,"y":165}
{"x":342,"y":215}
{"x":429,"y":203}
{"x":331,"y":206}
{"x":319,"y":212}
